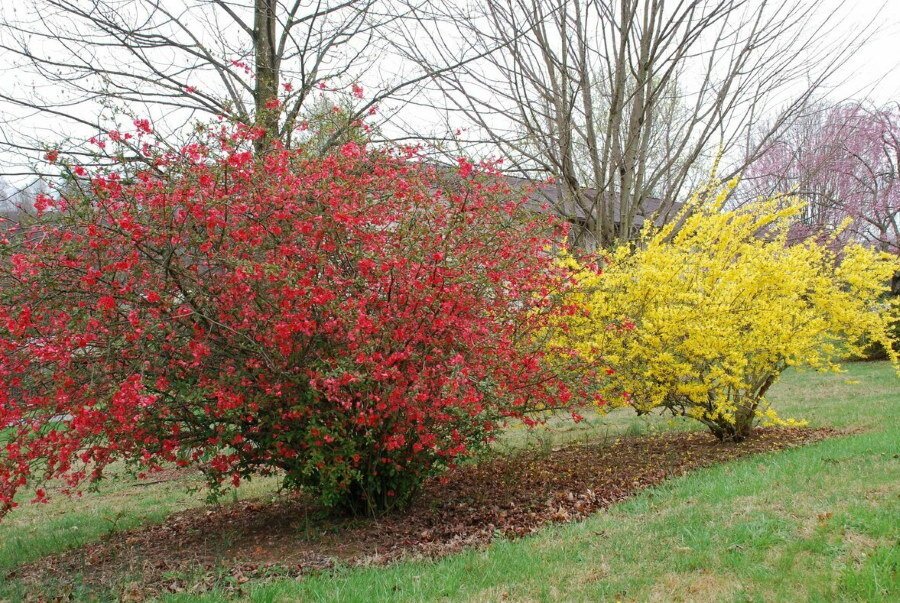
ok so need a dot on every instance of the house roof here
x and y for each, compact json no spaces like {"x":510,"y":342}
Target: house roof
{"x":547,"y":197}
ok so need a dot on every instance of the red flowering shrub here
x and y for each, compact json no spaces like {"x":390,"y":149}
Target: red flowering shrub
{"x":356,"y":322}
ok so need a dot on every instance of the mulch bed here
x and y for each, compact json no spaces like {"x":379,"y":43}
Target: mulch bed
{"x":504,"y":497}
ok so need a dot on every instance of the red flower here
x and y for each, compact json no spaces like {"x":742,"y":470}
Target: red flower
{"x":351,"y":149}
{"x":465,"y":167}
{"x":143,"y":126}
{"x":42,"y":202}
{"x":106,"y":303}
{"x":300,"y":311}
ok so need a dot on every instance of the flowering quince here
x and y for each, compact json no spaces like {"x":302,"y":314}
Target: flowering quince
{"x":354,"y":322}
{"x":465,"y":167}
{"x":143,"y":126}
{"x":351,"y":149}
{"x":242,"y":66}
{"x":42,"y":203}
{"x":106,"y":303}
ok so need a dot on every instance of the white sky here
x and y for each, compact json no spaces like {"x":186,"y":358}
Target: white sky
{"x":873,"y":72}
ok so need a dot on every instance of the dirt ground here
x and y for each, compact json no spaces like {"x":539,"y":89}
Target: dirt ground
{"x":505,"y":497}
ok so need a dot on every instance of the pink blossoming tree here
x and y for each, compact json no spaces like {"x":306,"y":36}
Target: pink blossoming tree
{"x":844,"y":160}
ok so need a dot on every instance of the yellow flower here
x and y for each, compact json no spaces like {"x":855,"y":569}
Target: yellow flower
{"x":719,"y":305}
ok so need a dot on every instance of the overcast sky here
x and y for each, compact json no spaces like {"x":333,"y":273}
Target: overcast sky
{"x":875,"y":69}
{"x":873,"y":72}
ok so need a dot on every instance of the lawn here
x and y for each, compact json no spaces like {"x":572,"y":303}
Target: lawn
{"x":814,"y":523}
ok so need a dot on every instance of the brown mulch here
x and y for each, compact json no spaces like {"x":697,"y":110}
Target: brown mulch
{"x":503,"y":497}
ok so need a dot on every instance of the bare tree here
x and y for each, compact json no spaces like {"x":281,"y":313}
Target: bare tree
{"x":16,"y":202}
{"x":72,"y":60}
{"x":622,"y":100}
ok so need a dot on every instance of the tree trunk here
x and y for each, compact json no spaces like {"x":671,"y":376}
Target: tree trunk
{"x":266,"y":62}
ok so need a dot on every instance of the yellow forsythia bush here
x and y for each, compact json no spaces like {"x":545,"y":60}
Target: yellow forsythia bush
{"x":701,"y":316}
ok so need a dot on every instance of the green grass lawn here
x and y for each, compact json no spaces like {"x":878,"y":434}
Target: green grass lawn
{"x":815,"y":523}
